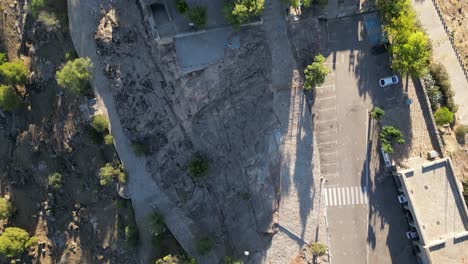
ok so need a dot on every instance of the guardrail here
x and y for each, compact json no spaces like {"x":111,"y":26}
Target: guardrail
{"x":450,"y":36}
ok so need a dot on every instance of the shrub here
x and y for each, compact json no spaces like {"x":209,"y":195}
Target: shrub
{"x":109,"y":140}
{"x":49,"y":20}
{"x":138,"y":149}
{"x":315,"y":73}
{"x":198,"y":16}
{"x":14,"y":72}
{"x":110,"y":172}
{"x":14,"y":241}
{"x":318,"y":249}
{"x":181,"y":6}
{"x":204,"y":245}
{"x":94,"y":136}
{"x":443,"y":116}
{"x":176,"y":259}
{"x":156,"y":223}
{"x":9,"y":99}
{"x":99,"y":123}
{"x":131,"y":234}
{"x":238,"y":12}
{"x":3,"y":58}
{"x":389,"y":136}
{"x":36,"y":6}
{"x":198,"y":166}
{"x":377,"y":113}
{"x":55,"y":180}
{"x":74,"y":75}
{"x":6,"y":209}
{"x":441,"y":79}
{"x":230,"y":260}
{"x":461,"y":131}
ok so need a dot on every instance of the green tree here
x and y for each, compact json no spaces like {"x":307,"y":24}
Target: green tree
{"x":181,"y":6}
{"x":377,"y":113}
{"x":204,"y":245}
{"x":14,"y":72}
{"x":156,"y":224}
{"x":239,"y":12}
{"x":389,"y":136}
{"x":198,"y":166}
{"x":3,"y":58}
{"x":109,"y":140}
{"x":36,"y":6}
{"x":74,"y":76}
{"x":138,"y":149}
{"x":9,"y":99}
{"x":411,"y":57}
{"x":99,"y":123}
{"x":14,"y":241}
{"x":110,"y":172}
{"x":461,"y":131}
{"x":176,"y":259}
{"x":131,"y":234}
{"x":315,"y":73}
{"x":230,"y":260}
{"x":443,"y":116}
{"x":198,"y":16}
{"x":6,"y":208}
{"x":318,"y":249}
{"x":55,"y":180}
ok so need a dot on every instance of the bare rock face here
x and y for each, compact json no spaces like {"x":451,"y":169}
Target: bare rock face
{"x":224,"y":111}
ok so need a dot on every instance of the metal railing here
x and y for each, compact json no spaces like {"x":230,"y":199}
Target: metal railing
{"x":450,"y":36}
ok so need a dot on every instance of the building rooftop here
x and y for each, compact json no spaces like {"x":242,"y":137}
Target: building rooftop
{"x":438,"y":208}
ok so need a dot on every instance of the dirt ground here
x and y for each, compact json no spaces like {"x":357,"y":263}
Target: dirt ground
{"x":82,"y":222}
{"x":455,"y":13}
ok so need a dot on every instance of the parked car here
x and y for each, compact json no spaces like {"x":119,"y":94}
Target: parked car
{"x":386,"y":158}
{"x":379,"y":49}
{"x":390,"y":80}
{"x":402,"y":199}
{"x":412,"y":234}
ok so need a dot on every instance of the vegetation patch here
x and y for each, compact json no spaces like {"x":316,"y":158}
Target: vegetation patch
{"x":198,"y":166}
{"x":389,"y":136}
{"x":14,"y":241}
{"x":315,"y":72}
{"x":318,"y":249}
{"x":55,"y":180}
{"x":176,"y":259}
{"x":75,"y":75}
{"x":9,"y":99}
{"x":110,"y":172}
{"x":14,"y":72}
{"x":377,"y":113}
{"x":6,"y":208}
{"x":238,"y":12}
{"x":204,"y":245}
{"x":198,"y":16}
{"x":443,"y":116}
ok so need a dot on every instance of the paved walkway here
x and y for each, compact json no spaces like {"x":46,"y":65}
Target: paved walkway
{"x":144,"y":192}
{"x":444,"y":53}
{"x":299,"y":189}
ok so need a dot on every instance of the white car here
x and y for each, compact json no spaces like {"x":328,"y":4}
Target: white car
{"x":388,"y":81}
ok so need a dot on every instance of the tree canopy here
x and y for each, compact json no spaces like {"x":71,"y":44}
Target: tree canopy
{"x":111,"y":171}
{"x":389,"y":136}
{"x":239,"y":12}
{"x":198,"y":166}
{"x":176,"y":259}
{"x":75,"y":75}
{"x":411,"y":56}
{"x":5,"y":208}
{"x":14,"y":240}
{"x":99,"y":123}
{"x":9,"y":99}
{"x":443,"y":116}
{"x":315,"y":73}
{"x":14,"y":72}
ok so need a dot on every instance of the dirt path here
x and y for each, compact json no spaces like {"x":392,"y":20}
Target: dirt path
{"x":298,"y":205}
{"x":444,"y":53}
{"x":144,"y":192}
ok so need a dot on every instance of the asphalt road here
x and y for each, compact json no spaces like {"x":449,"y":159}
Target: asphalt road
{"x":340,"y":109}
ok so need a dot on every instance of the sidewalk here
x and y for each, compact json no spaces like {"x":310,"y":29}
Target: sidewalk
{"x":444,"y":53}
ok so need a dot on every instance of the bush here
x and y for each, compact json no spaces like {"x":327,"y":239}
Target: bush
{"x":99,"y":123}
{"x":36,"y":6}
{"x":441,"y":80}
{"x":156,"y":223}
{"x":230,"y":260}
{"x":176,"y":259}
{"x":109,"y":140}
{"x":49,"y":20}
{"x":198,"y":16}
{"x":318,"y":249}
{"x":94,"y":136}
{"x":138,"y":149}
{"x":14,"y":72}
{"x":315,"y":73}
{"x":204,"y":245}
{"x":131,"y":234}
{"x":110,"y":172}
{"x":14,"y":241}
{"x":181,"y":6}
{"x":55,"y":180}
{"x":461,"y":131}
{"x":74,"y":76}
{"x":433,"y":92}
{"x":238,"y":12}
{"x":6,"y":209}
{"x":377,"y":113}
{"x":9,"y":99}
{"x":389,"y":136}
{"x":443,"y":116}
{"x":198,"y":166}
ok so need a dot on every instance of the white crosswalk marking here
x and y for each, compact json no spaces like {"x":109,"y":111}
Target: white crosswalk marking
{"x":340,"y":196}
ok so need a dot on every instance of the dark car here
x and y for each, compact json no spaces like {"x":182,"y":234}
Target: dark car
{"x":378,"y":49}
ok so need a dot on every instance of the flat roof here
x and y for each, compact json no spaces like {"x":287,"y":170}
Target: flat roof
{"x":438,"y":208}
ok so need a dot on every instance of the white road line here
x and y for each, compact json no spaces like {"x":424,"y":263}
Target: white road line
{"x":356,"y":194}
{"x":345,"y":199}
{"x":361,"y":197}
{"x":325,"y":86}
{"x":325,"y":98}
{"x":326,"y":197}
{"x":328,"y":142}
{"x":328,"y":153}
{"x":353,"y":201}
{"x":326,"y":109}
{"x":339,"y":196}
{"x":328,"y":131}
{"x":347,"y":195}
{"x":366,"y":197}
{"x":332,"y":201}
{"x":335,"y":201}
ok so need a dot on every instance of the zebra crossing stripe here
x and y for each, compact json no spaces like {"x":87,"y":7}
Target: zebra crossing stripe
{"x":335,"y":201}
{"x":339,"y":195}
{"x":351,"y":195}
{"x":326,"y":197}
